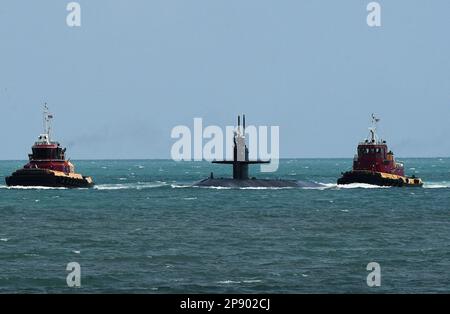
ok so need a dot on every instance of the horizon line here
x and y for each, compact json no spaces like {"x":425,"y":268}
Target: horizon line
{"x":169,"y":159}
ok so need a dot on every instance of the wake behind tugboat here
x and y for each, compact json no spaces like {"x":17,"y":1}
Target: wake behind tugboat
{"x":240,"y":165}
{"x":47,"y":166}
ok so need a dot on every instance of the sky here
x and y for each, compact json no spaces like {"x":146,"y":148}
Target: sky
{"x":135,"y":69}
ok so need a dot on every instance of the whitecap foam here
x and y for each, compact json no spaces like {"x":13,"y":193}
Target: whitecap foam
{"x":128,"y":186}
{"x":252,"y":281}
{"x":266,"y":188}
{"x":179,"y":186}
{"x":436,"y":185}
{"x":242,"y":188}
{"x":320,"y":188}
{"x":361,"y":186}
{"x":227,"y":282}
{"x":215,"y":187}
{"x":31,"y":187}
{"x":345,"y":186}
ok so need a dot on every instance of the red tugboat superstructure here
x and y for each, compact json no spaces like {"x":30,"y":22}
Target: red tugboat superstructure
{"x":47,"y":164}
{"x":375,"y":164}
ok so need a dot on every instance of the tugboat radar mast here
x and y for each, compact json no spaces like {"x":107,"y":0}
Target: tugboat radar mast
{"x":47,"y":116}
{"x":373,"y":129}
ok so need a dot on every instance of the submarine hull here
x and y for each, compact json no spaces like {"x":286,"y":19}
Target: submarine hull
{"x":254,"y":183}
{"x":48,"y":178}
{"x":378,"y":178}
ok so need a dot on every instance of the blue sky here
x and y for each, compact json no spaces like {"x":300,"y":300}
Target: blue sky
{"x":134,"y":69}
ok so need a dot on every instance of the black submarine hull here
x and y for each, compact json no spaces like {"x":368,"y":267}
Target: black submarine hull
{"x":378,"y":178}
{"x":47,"y":178}
{"x":254,"y":183}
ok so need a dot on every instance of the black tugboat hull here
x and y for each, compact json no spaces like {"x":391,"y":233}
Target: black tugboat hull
{"x":47,"y":178}
{"x":378,"y":178}
{"x":255,"y":183}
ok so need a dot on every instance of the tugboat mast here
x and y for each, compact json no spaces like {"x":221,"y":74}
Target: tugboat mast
{"x":373,"y":129}
{"x":47,"y":116}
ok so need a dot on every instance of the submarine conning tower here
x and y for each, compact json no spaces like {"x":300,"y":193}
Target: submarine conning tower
{"x":240,"y":160}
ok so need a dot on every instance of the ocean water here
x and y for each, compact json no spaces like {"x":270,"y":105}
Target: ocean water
{"x":143,"y":229}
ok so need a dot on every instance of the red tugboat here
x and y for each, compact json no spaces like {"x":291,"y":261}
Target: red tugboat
{"x":375,"y":164}
{"x":47,"y":165}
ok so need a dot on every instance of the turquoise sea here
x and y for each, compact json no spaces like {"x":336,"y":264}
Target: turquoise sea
{"x":144,"y":229}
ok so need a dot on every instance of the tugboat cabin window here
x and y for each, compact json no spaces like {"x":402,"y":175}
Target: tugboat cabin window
{"x":45,"y":153}
{"x":371,"y":151}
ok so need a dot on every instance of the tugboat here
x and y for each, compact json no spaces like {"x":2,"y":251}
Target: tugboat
{"x":240,"y":165}
{"x":375,"y":164}
{"x":47,"y":165}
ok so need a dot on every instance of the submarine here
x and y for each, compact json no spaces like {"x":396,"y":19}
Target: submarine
{"x":374,"y":164}
{"x":47,"y":164}
{"x":240,"y":163}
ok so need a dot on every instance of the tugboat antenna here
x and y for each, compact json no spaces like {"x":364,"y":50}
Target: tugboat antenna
{"x":47,"y":116}
{"x":373,"y":129}
{"x":44,"y":120}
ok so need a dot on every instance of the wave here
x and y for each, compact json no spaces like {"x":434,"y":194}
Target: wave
{"x":242,"y":188}
{"x":31,"y":188}
{"x":214,"y":187}
{"x":322,"y":186}
{"x":361,"y":186}
{"x":266,"y":188}
{"x":180,"y":186}
{"x":427,"y":185}
{"x":227,"y":282}
{"x":158,"y":184}
{"x":436,"y":185}
{"x":130,"y":186}
{"x":329,"y":186}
